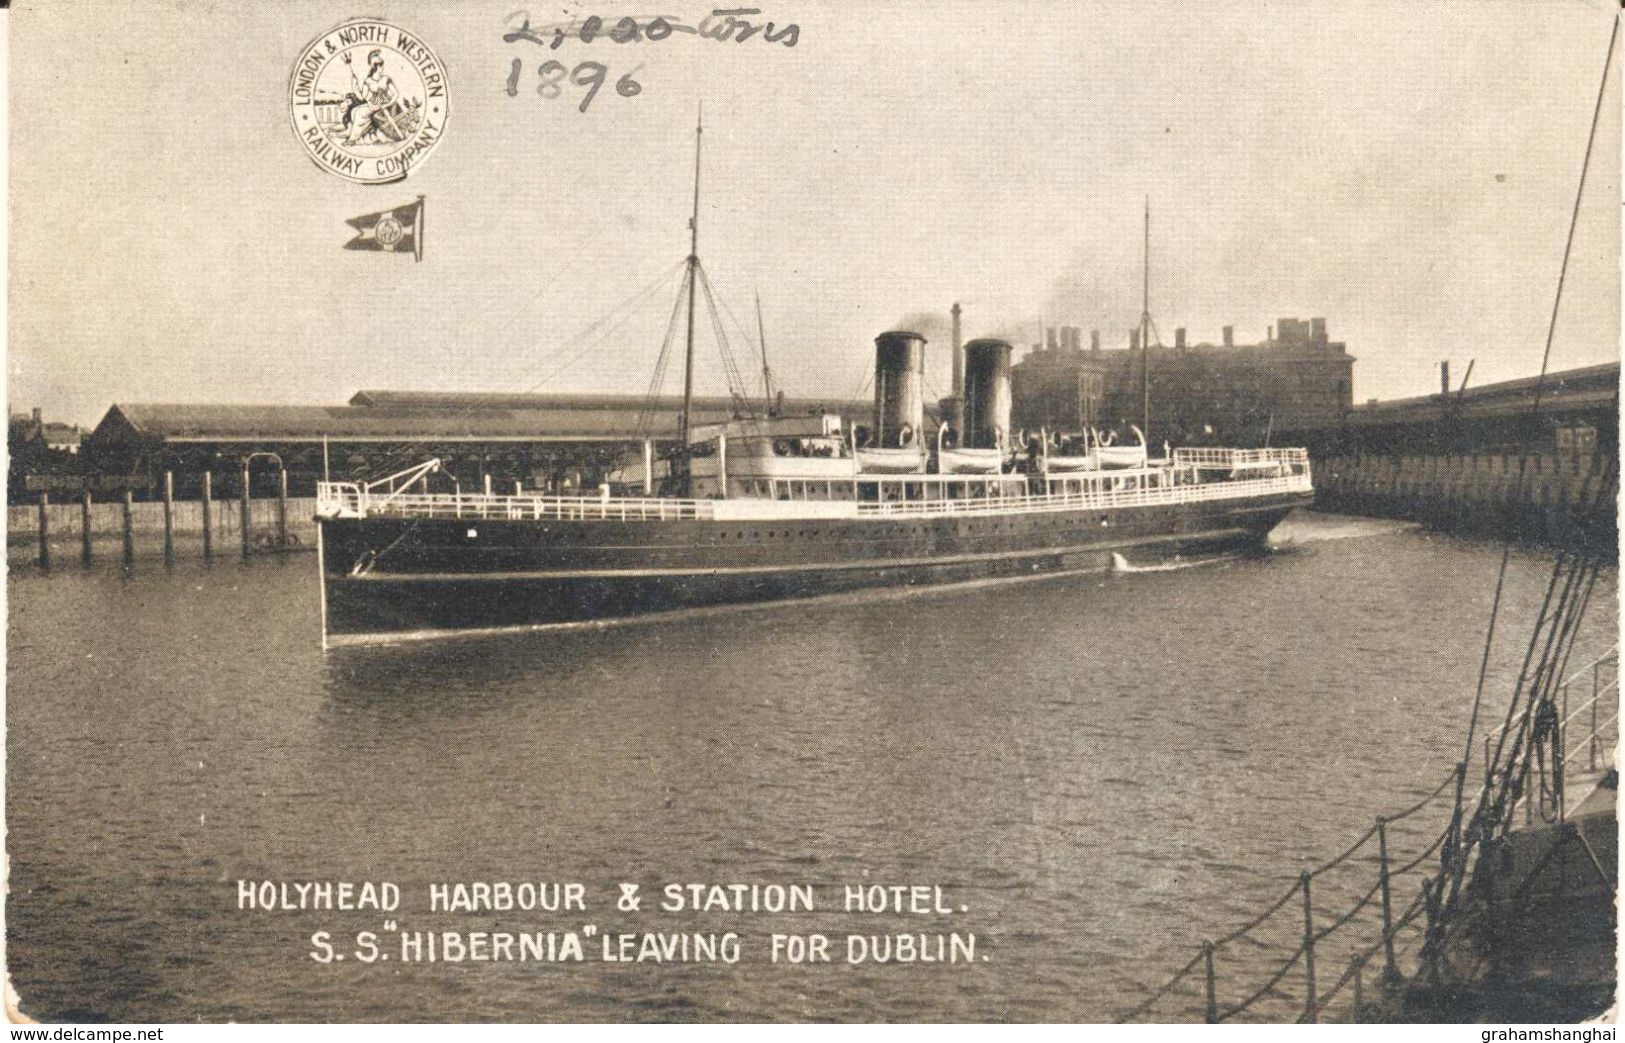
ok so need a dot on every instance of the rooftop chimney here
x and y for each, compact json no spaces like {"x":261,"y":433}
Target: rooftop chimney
{"x":1444,"y":377}
{"x":1179,"y":338}
{"x":37,"y":414}
{"x":1317,"y":332}
{"x":1049,"y":338}
{"x":1229,"y":336}
{"x":1094,"y":340}
{"x":959,"y":356}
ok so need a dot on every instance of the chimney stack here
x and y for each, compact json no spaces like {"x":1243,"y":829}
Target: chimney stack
{"x":1049,"y":338}
{"x":1229,"y":336}
{"x":1134,"y":340}
{"x":1094,"y":340}
{"x":37,"y":414}
{"x":1444,"y":377}
{"x":1179,"y":338}
{"x":1317,"y":332}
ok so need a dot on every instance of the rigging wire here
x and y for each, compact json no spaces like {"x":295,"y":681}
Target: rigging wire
{"x":646,"y":414}
{"x":1559,"y":623}
{"x":629,"y":305}
{"x":1540,"y":383}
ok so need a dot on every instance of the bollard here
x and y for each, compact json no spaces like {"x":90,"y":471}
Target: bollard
{"x":44,"y":531}
{"x":1311,"y":1002}
{"x":247,"y":549}
{"x":282,"y":508}
{"x":208,"y":519}
{"x":84,"y":528}
{"x":1212,"y":985}
{"x":169,"y":517}
{"x":129,"y":527}
{"x":1390,"y":971}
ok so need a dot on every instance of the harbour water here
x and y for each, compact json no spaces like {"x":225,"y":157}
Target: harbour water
{"x":1101,"y":770}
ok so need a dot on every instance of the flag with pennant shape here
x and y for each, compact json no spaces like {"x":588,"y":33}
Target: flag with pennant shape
{"x":393,"y":231}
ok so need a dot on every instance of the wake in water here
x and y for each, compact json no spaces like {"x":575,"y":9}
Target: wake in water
{"x":1122,"y":564}
{"x":1310,"y":527}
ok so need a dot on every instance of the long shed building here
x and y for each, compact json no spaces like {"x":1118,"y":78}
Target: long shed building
{"x":552,"y":442}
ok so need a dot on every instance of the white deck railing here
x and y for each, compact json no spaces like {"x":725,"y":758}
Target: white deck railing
{"x":348,"y":500}
{"x":1102,"y":499}
{"x":1230,"y":459}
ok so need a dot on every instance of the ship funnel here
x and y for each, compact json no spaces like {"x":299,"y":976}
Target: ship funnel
{"x":987,"y":394}
{"x":899,"y":389}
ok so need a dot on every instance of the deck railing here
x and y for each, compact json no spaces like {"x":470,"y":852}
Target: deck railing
{"x":349,"y":500}
{"x":1229,"y":459}
{"x":1099,"y":499}
{"x":346,"y":500}
{"x":1384,"y":923}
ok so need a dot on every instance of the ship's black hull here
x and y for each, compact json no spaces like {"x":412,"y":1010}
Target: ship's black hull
{"x":390,"y":578}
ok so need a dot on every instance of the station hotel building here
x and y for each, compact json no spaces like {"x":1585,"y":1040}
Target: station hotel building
{"x":1214,"y":394}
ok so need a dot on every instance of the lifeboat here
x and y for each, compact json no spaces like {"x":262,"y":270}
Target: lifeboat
{"x":1060,"y":456}
{"x":1121,"y":456}
{"x":961,"y":460}
{"x":906,"y":457}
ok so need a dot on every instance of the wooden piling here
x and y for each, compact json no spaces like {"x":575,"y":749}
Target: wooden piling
{"x":44,"y":531}
{"x":282,"y":508}
{"x":247,"y":549}
{"x":129,"y":527}
{"x":169,"y":517}
{"x":84,"y":528}
{"x":208,"y":516}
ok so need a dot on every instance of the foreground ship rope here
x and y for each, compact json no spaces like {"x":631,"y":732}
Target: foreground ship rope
{"x":1368,"y":916}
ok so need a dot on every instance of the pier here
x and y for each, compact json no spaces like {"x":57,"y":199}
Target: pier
{"x":1521,"y":457}
{"x":117,"y":526}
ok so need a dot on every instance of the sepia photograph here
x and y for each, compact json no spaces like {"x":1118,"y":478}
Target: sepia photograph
{"x":978,"y":511}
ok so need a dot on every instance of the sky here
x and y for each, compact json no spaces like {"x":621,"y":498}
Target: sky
{"x":1406,"y":170}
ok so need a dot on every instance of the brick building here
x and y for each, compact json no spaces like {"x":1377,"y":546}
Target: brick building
{"x":1200,"y":393}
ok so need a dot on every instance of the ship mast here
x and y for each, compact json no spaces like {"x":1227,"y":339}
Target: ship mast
{"x":693,"y":277}
{"x":1145,"y":333}
{"x":761,"y":338}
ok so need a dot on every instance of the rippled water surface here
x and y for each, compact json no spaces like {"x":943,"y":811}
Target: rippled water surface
{"x":1103,"y":769}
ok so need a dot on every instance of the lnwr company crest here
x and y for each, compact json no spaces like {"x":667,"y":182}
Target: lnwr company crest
{"x":368,"y":101}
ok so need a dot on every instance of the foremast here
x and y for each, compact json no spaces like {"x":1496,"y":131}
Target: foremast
{"x":688,"y":351}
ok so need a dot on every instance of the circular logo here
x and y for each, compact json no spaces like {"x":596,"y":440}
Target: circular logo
{"x":388,"y":231}
{"x":368,"y":101}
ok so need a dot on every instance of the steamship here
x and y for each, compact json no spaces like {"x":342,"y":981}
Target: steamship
{"x":767,"y":508}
